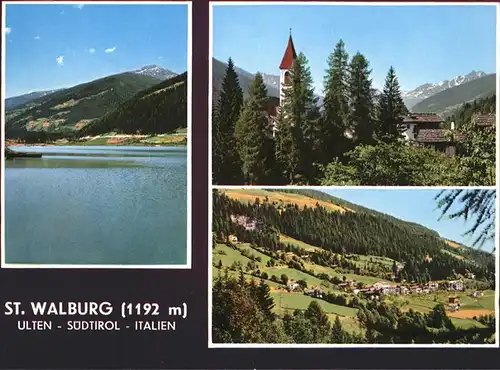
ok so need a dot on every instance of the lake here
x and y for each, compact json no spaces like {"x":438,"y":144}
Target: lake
{"x":97,"y":205}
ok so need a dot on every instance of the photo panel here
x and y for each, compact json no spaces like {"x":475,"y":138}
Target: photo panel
{"x":353,"y":267}
{"x":329,"y":94}
{"x":96,"y":135}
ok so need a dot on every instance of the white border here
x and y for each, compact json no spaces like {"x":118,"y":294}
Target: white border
{"x":211,"y":187}
{"x":187,"y":265}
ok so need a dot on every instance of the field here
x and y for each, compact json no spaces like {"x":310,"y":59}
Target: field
{"x":470,"y":306}
{"x":288,"y":302}
{"x":178,"y":137}
{"x":249,"y":195}
{"x":453,"y":254}
{"x":453,"y":244}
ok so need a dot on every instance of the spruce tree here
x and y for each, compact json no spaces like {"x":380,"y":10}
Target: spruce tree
{"x":360,"y":100}
{"x":335,"y":104}
{"x":226,"y":166}
{"x":298,"y":131}
{"x":390,"y":110}
{"x":254,"y":136}
{"x":338,"y":334}
{"x":479,"y":204}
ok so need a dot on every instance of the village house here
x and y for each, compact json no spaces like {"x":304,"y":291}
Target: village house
{"x":416,"y":289}
{"x":233,"y":238}
{"x":445,"y":140}
{"x":453,"y":303}
{"x":246,"y":222}
{"x":381,"y":285}
{"x":348,"y":285}
{"x":317,"y":293}
{"x":457,"y":285}
{"x":389,"y":290}
{"x":292,"y":285}
{"x":477,"y":294}
{"x":415,"y":122}
{"x":484,"y":120}
{"x":433,"y":285}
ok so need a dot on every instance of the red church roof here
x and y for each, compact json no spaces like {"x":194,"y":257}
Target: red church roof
{"x":290,"y":55}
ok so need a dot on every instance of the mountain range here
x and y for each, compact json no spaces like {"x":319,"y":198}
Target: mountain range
{"x":422,"y":92}
{"x":68,"y":111}
{"x":439,"y":97}
{"x":149,"y":70}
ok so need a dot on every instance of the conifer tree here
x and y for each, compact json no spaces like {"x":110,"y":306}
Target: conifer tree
{"x":390,"y":110}
{"x":297,"y":136}
{"x":338,"y":334}
{"x":225,"y":161}
{"x":478,"y":203}
{"x":253,"y":135}
{"x":335,"y":104}
{"x":360,"y":100}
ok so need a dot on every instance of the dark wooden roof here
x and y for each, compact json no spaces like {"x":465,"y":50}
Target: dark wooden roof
{"x":484,"y":119}
{"x":289,"y":56}
{"x":422,"y":118}
{"x":432,"y":136}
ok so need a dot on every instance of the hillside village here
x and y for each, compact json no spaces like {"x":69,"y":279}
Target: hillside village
{"x":374,"y":291}
{"x":255,"y":242}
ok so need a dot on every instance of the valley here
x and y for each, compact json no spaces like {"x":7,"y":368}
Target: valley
{"x":143,"y":107}
{"x":346,"y":267}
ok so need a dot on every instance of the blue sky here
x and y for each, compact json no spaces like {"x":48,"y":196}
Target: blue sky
{"x":411,"y":205}
{"x":423,"y":43}
{"x":93,"y":41}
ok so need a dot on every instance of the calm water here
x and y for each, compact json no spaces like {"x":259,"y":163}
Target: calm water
{"x":97,"y":205}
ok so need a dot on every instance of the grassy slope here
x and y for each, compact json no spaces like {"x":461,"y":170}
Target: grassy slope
{"x":249,"y":195}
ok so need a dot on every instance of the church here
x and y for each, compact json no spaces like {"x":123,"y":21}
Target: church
{"x":285,"y":67}
{"x":422,"y":129}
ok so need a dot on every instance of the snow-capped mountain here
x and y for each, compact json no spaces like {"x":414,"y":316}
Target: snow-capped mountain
{"x":411,"y":98}
{"x":156,"y":72}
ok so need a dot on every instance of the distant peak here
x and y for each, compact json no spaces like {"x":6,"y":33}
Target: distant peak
{"x":156,"y":71}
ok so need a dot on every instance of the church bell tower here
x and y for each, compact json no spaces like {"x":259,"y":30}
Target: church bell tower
{"x":286,"y":66}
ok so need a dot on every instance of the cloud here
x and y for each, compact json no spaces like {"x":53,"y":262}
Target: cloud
{"x":78,"y":6}
{"x":60,"y":60}
{"x":110,"y":50}
{"x":37,"y":37}
{"x":7,"y":30}
{"x":91,"y":50}
{"x":160,"y":57}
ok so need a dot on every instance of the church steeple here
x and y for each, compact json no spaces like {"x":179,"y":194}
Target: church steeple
{"x":290,"y":54}
{"x":286,"y":66}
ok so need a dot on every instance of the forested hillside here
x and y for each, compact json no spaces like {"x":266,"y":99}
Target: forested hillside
{"x":348,"y":232}
{"x":464,"y":114}
{"x":70,"y":109}
{"x":315,"y":194}
{"x":158,"y":109}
